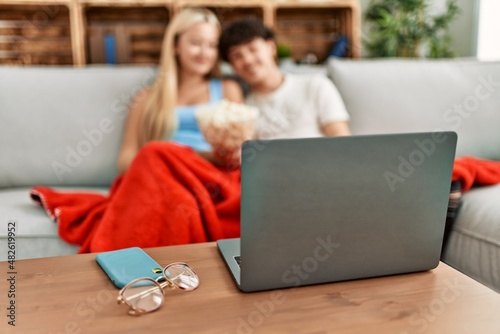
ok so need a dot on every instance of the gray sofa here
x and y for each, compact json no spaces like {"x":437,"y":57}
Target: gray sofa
{"x":62,"y":127}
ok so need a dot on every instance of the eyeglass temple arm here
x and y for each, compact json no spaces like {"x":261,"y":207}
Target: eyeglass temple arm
{"x":162,"y":285}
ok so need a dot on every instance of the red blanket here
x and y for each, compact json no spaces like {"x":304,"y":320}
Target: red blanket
{"x":473,"y":171}
{"x":169,"y":196}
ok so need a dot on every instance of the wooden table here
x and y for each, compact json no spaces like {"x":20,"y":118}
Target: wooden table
{"x":72,"y":295}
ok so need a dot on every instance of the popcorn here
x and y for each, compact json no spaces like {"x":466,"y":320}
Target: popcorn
{"x":226,"y":126}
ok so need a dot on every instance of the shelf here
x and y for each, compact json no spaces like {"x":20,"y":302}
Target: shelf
{"x":81,"y":32}
{"x":125,"y":35}
{"x":34,"y":35}
{"x":228,"y":14}
{"x":312,"y":30}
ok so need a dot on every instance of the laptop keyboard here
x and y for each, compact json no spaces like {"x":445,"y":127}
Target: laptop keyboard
{"x":238,"y":260}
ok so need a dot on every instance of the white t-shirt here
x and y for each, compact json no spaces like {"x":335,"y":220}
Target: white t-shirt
{"x":298,"y":108}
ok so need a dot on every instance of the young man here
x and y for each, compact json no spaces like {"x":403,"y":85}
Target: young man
{"x":291,"y":106}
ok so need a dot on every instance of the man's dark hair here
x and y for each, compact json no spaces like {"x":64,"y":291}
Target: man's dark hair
{"x":241,"y":32}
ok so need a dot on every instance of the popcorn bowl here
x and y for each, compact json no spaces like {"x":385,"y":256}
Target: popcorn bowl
{"x":225,"y":126}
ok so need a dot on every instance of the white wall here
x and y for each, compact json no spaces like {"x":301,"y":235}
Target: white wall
{"x":488,"y":46}
{"x":463,"y":29}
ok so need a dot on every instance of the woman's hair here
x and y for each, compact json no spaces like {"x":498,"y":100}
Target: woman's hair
{"x":159,"y":118}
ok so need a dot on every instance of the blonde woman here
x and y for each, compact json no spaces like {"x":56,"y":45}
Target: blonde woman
{"x":187,"y":78}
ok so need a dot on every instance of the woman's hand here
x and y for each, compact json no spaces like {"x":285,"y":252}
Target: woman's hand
{"x":230,"y":159}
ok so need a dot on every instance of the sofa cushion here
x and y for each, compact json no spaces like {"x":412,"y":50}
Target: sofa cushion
{"x":36,"y":235}
{"x":63,"y":125}
{"x":474,"y":243}
{"x":397,"y":95}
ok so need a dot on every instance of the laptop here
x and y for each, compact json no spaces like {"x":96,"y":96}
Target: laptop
{"x":321,"y":210}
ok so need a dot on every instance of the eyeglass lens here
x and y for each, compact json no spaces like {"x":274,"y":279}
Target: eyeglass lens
{"x":144,"y":296}
{"x":182,"y":276}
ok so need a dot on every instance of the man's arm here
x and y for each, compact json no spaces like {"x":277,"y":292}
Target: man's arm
{"x":339,"y":128}
{"x":332,"y":113}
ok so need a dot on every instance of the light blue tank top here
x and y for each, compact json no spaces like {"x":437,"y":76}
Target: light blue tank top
{"x":188,"y":133}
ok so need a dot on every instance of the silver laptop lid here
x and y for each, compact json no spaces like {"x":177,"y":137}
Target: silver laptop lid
{"x":330,"y":209}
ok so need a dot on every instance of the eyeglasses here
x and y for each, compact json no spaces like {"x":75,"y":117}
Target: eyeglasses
{"x":144,"y":295}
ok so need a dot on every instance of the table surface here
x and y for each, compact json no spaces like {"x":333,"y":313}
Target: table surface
{"x":71,"y":294}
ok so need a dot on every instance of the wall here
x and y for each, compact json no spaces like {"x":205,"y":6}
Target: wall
{"x":488,"y":47}
{"x":463,"y":29}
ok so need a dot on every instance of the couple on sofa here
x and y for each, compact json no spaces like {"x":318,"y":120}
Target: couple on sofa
{"x":166,"y":193}
{"x":290,"y":106}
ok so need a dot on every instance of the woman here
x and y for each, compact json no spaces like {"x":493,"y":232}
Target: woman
{"x":169,"y":195}
{"x":186,"y":80}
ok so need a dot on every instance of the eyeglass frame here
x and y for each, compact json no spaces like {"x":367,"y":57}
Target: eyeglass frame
{"x":166,"y":282}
